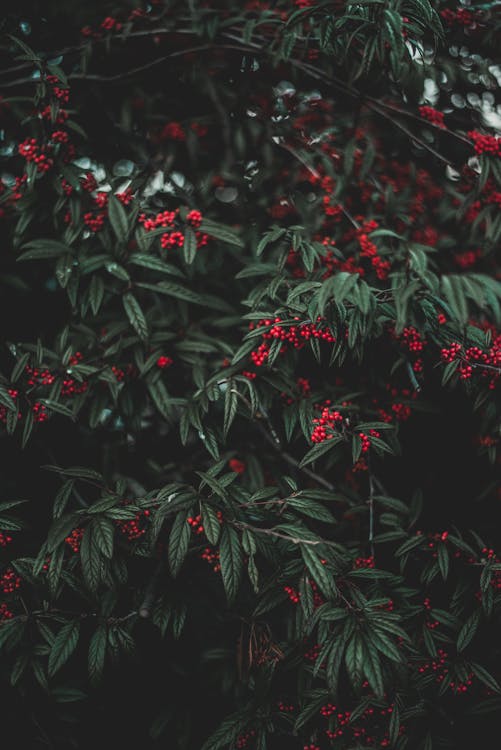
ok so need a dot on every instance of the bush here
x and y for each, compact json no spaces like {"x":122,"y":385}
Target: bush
{"x":248,"y":389}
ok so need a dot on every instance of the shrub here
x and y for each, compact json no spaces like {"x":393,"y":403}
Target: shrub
{"x":248,"y":387}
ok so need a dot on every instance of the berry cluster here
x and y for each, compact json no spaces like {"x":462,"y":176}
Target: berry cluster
{"x":164,"y":220}
{"x":30,"y":150}
{"x":167,"y":220}
{"x":163,"y":362}
{"x":74,"y":539}
{"x":5,"y":612}
{"x":369,"y":250}
{"x":328,"y":710}
{"x":313,"y":652}
{"x":134,"y":528}
{"x":295,"y":335}
{"x":432,"y":115}
{"x":5,"y":539}
{"x":485,"y":144}
{"x":13,"y":393}
{"x":212,"y":557}
{"x":364,"y":562}
{"x":461,"y":16}
{"x":437,"y":666}
{"x":194,"y":218}
{"x":474,"y":356}
{"x":196,"y":522}
{"x":72,"y":387}
{"x":244,"y":739}
{"x":397,"y":410}
{"x":61,"y":93}
{"x":303,"y":389}
{"x":236,"y":465}
{"x":110,"y":24}
{"x":173,"y":131}
{"x":326,"y":423}
{"x":40,"y":413}
{"x":39,"y":377}
{"x":293,"y":595}
{"x":9,"y":581}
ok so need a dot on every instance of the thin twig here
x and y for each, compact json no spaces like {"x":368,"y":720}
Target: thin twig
{"x":294,"y":462}
{"x":370,"y":503}
{"x":150,"y":592}
{"x":272,"y":532}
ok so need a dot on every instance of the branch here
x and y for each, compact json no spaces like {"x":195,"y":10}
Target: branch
{"x":150,"y":592}
{"x":294,"y":462}
{"x":370,"y":503}
{"x":272,"y":532}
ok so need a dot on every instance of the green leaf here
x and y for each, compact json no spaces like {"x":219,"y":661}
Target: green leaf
{"x":443,"y":560}
{"x":230,"y":557}
{"x":318,"y":571}
{"x":189,"y":245}
{"x":485,"y":677}
{"x":135,"y":315}
{"x":97,"y":653}
{"x":90,"y":557}
{"x":160,"y":396}
{"x":211,"y":524}
{"x":354,"y":660}
{"x":319,"y":450}
{"x":382,"y":641}
{"x":154,"y":264}
{"x":372,"y":669}
{"x":19,"y":367}
{"x":118,"y":218}
{"x":63,"y":646}
{"x":468,"y":630}
{"x":230,"y":407}
{"x":104,"y":533}
{"x":80,"y":472}
{"x":179,"y":541}
{"x":7,"y":400}
{"x":43,"y":249}
{"x":175,"y":290}
{"x":221,"y":232}
{"x":96,"y":293}
{"x":62,"y":497}
{"x":410,"y":544}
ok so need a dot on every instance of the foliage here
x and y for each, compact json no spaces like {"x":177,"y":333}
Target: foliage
{"x":249,"y":379}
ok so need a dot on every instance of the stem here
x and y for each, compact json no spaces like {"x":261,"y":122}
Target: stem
{"x":370,"y":503}
{"x":272,"y":532}
{"x":294,"y":462}
{"x":150,"y":592}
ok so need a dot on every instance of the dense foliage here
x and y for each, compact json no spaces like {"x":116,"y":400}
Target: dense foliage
{"x":249,"y":378}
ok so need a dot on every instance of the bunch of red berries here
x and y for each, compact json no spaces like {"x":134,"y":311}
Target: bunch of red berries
{"x":194,"y":218}
{"x":432,"y":115}
{"x":364,"y":562}
{"x":236,"y":465}
{"x":134,"y":528}
{"x":40,"y":413}
{"x":74,"y":539}
{"x":326,"y":424}
{"x":293,"y":595}
{"x":485,"y":144}
{"x":5,"y":612}
{"x":212,"y":557}
{"x":5,"y":539}
{"x":9,"y":581}
{"x":163,"y":362}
